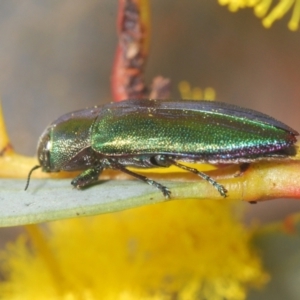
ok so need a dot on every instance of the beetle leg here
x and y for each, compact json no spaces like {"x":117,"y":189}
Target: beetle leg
{"x":87,"y":177}
{"x":166,"y":192}
{"x":215,"y":184}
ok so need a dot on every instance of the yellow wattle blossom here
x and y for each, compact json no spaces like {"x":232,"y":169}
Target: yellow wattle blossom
{"x":196,"y":93}
{"x":269,"y":11}
{"x":180,"y":249}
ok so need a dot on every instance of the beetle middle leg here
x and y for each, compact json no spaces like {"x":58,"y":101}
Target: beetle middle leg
{"x":166,"y":161}
{"x":166,"y":192}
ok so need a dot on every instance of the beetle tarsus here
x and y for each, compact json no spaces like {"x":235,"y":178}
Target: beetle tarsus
{"x":166,"y":192}
{"x":221,"y":189}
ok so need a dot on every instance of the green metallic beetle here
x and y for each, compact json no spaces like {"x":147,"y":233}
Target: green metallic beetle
{"x":159,"y":133}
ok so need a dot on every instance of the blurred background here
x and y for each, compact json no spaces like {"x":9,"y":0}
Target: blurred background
{"x":56,"y":56}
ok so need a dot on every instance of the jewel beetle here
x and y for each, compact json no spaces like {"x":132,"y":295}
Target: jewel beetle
{"x":159,"y":133}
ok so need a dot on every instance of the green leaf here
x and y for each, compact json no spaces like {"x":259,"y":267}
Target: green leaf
{"x":50,"y":199}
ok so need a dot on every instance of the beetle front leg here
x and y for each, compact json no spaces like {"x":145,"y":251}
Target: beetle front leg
{"x":87,"y":177}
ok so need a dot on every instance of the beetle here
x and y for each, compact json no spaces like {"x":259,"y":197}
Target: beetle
{"x":159,"y":133}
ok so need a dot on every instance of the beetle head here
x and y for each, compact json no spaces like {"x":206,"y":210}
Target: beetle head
{"x":44,"y":152}
{"x":43,"y":155}
{"x":65,"y":144}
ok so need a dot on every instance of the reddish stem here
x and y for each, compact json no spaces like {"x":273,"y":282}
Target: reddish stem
{"x":127,"y":76}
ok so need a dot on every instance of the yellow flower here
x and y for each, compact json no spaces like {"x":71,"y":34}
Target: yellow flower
{"x":177,"y":249}
{"x":270,"y":13}
{"x":186,"y":92}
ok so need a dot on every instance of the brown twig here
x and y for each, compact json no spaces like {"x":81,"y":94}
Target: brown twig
{"x":127,"y":78}
{"x":131,"y":55}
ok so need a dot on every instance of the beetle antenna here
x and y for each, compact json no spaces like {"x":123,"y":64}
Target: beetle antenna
{"x":29,"y":175}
